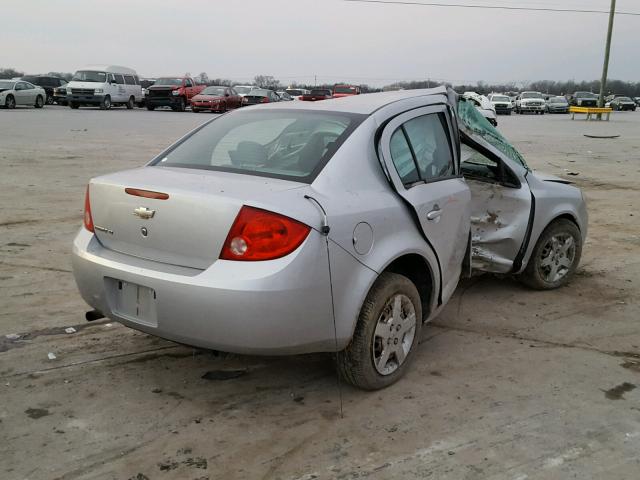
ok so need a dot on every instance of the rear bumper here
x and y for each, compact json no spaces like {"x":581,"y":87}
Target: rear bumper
{"x":281,"y":306}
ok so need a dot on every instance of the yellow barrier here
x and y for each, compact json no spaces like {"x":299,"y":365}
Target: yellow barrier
{"x":590,"y":111}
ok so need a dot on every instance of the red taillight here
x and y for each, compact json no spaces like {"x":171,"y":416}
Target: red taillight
{"x":88,"y":220}
{"x":136,"y":192}
{"x":265,"y":100}
{"x":261,"y":235}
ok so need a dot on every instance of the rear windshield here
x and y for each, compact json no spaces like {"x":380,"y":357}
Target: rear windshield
{"x":292,"y":145}
{"x":240,"y":89}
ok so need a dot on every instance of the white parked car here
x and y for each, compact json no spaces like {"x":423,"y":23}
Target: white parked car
{"x":530,"y":102}
{"x":104,"y":86}
{"x":19,"y":92}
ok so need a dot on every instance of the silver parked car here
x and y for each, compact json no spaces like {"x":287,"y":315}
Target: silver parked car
{"x":19,"y":92}
{"x":336,"y":226}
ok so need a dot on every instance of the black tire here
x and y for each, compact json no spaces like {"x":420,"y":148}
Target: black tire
{"x":195,"y":110}
{"x":151,"y":108}
{"x":182,"y":105}
{"x":533,"y":275}
{"x":49,"y":99}
{"x":39,"y":102}
{"x":74,"y":105}
{"x":542,"y":112}
{"x":355,"y":363}
{"x":131,"y":103}
{"x":10,"y":102}
{"x":105,"y":104}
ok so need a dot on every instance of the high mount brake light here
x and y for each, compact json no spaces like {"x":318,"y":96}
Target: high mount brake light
{"x":88,"y":219}
{"x":262,"y":235}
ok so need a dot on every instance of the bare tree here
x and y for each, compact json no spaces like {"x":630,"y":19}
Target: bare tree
{"x":10,"y":73}
{"x":266,"y":81}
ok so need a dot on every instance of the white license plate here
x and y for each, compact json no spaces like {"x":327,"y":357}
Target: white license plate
{"x":133,"y":302}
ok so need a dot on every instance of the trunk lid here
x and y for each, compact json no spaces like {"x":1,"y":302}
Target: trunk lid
{"x":188,"y":228}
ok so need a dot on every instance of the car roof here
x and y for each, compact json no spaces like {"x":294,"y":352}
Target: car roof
{"x":365,"y":104}
{"x":109,"y":69}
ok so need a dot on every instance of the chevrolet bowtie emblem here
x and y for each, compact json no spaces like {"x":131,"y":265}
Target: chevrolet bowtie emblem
{"x":144,"y":213}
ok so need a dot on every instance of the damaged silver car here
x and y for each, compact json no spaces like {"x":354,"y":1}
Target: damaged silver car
{"x":339,"y":226}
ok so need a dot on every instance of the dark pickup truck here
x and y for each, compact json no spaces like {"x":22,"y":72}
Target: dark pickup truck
{"x":583,"y":99}
{"x":174,"y":92}
{"x":317,"y":94}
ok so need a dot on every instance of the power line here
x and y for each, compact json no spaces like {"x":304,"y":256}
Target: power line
{"x":492,"y":7}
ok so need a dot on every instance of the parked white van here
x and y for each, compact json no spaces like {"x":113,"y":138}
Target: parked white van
{"x":104,"y":85}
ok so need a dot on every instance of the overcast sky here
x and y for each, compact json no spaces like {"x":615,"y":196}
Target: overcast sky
{"x":294,"y":40}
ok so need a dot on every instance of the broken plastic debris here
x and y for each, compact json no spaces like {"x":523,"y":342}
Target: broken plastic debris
{"x":13,"y":336}
{"x":70,"y":330}
{"x":52,"y":356}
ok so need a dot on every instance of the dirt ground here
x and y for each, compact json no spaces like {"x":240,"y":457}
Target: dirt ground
{"x":508,"y":383}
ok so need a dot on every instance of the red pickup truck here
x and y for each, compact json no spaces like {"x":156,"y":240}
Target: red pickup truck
{"x":316,"y":95}
{"x":174,"y":92}
{"x":345,"y":91}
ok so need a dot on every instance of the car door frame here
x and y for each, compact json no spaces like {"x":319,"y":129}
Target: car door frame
{"x":448,"y":279}
{"x":492,"y":233}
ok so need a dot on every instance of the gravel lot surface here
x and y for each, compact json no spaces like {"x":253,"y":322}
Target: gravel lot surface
{"x":508,"y":383}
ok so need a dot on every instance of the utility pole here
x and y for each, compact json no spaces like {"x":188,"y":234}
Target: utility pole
{"x":605,"y":67}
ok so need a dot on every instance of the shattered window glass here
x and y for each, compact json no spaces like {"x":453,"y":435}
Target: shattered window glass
{"x":475,"y":121}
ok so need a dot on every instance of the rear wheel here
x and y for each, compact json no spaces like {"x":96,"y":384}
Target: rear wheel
{"x":555,"y":257}
{"x":131,"y":103}
{"x":10,"y":102}
{"x":39,"y":102}
{"x":74,"y":105}
{"x":195,"y":110}
{"x":106,"y":103}
{"x":386,"y":334}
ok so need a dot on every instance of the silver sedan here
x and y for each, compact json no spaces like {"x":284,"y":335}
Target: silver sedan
{"x":19,"y":92}
{"x":338,"y":226}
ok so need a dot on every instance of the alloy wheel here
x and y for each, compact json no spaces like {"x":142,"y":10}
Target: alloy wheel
{"x":557,"y":257}
{"x":394,"y":334}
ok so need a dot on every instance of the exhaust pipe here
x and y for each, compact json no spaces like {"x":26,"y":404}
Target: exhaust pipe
{"x":93,"y":315}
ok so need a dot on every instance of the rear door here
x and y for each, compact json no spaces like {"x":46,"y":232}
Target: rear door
{"x":420,"y":155}
{"x":501,"y":206}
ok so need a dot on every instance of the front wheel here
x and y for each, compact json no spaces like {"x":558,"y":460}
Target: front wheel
{"x":386,"y":335}
{"x":131,"y":103}
{"x":39,"y":102}
{"x":10,"y":102}
{"x":50,"y":99}
{"x":74,"y":105}
{"x":182,"y":105}
{"x":106,"y":103}
{"x":555,"y":257}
